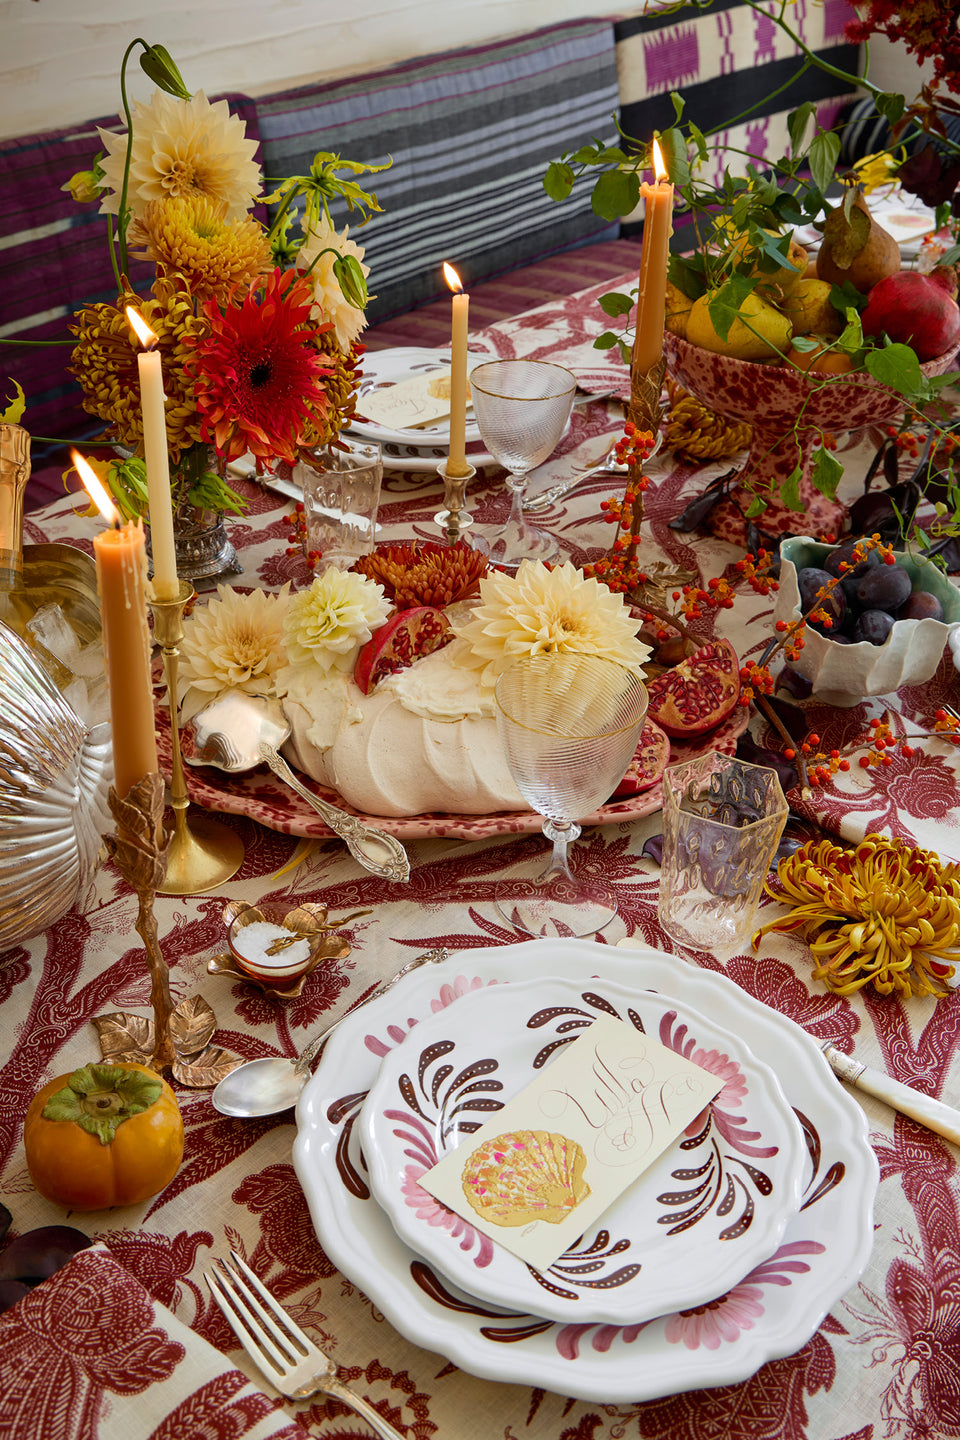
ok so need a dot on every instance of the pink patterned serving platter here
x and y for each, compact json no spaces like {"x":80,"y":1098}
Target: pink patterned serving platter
{"x":261,"y":796}
{"x":713,"y":1206}
{"x":771,"y":1313}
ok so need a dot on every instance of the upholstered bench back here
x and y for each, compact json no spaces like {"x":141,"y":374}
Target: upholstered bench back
{"x":471,"y":133}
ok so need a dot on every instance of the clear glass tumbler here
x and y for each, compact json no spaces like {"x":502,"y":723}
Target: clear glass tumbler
{"x":722,"y":822}
{"x":340,"y":501}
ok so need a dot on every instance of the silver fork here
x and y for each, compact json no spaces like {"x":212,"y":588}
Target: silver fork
{"x":607,"y":464}
{"x":280,"y":1350}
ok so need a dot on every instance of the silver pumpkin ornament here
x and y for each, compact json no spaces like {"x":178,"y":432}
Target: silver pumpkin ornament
{"x":55,"y":775}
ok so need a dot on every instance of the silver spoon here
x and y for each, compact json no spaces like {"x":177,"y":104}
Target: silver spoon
{"x":607,"y":465}
{"x":267,"y":1086}
{"x":237,"y":732}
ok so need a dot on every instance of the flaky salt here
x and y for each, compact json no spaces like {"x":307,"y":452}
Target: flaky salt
{"x":254,"y":941}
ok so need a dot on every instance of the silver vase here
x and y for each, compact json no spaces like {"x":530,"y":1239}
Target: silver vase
{"x":55,"y":774}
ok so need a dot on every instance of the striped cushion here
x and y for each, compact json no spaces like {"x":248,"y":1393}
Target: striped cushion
{"x":471,"y":133}
{"x":53,"y":257}
{"x":723,"y":62}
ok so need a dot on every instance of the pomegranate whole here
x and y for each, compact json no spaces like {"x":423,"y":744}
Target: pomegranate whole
{"x":915,"y":310}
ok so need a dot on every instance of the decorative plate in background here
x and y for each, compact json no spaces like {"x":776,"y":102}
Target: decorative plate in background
{"x":771,"y":1313}
{"x":389,"y":367}
{"x":710,"y":1208}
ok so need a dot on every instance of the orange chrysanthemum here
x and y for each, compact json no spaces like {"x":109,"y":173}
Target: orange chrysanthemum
{"x":258,"y":377}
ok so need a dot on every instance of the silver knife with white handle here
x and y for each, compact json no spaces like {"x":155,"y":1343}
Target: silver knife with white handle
{"x":944,"y":1119}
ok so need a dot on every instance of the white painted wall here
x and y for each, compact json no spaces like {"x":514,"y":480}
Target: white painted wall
{"x":60,"y":59}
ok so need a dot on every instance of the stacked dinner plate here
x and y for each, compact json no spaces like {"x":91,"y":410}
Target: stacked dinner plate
{"x":425,"y":446}
{"x":727,"y":1252}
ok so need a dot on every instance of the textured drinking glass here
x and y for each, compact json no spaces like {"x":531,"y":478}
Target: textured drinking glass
{"x":340,"y":503}
{"x":522,"y":408}
{"x":569,"y":726}
{"x":722,"y":822}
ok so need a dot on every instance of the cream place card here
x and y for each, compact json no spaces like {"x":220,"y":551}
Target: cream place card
{"x":572,"y":1141}
{"x":421,"y":400}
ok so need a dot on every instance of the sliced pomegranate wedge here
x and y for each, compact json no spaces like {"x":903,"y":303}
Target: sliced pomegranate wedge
{"x":650,"y":759}
{"x":406,"y":637}
{"x":699,"y":692}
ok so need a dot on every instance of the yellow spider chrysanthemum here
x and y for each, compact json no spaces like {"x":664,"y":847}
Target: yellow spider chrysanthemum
{"x":104,"y":361}
{"x":181,"y":148}
{"x":341,"y":390}
{"x":542,"y":611}
{"x":330,"y":303}
{"x":883,"y":913}
{"x":875,"y":171}
{"x":190,"y":237}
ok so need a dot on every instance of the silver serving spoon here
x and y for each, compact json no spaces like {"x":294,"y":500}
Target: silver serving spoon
{"x":267,"y":1086}
{"x":237,"y":732}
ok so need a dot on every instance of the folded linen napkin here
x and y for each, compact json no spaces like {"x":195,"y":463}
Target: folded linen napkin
{"x":88,"y":1353}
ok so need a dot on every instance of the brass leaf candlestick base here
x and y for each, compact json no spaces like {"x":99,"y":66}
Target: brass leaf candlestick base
{"x":204,"y":852}
{"x":646,"y":386}
{"x":454,"y":519}
{"x":139,"y":851}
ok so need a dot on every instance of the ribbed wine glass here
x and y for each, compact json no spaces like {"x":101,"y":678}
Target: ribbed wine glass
{"x":569,"y":726}
{"x":522,"y":407}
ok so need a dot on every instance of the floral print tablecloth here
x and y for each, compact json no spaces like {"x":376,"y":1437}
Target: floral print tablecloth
{"x":884,"y":1363}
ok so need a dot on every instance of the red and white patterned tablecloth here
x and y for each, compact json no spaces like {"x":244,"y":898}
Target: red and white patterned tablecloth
{"x":885,"y":1362}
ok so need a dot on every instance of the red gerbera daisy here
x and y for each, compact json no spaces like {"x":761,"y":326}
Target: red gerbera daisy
{"x":258,"y":377}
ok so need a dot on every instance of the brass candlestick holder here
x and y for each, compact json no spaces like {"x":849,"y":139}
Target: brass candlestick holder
{"x":454,"y":519}
{"x":646,"y":387}
{"x":204,"y":853}
{"x":139,"y":851}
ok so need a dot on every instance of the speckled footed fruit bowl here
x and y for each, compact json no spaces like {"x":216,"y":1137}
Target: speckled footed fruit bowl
{"x":771,"y":398}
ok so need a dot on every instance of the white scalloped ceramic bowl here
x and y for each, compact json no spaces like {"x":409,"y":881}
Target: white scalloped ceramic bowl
{"x":845,"y":674}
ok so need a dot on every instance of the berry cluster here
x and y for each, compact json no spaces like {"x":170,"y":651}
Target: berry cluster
{"x":298,"y":536}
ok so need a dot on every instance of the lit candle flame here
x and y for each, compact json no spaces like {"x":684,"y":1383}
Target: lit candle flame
{"x":145,"y":335}
{"x":659,"y":169}
{"x":452,"y":278}
{"x":95,"y":489}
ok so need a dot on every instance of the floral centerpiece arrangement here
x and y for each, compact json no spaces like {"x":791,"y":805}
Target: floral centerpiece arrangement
{"x":257,"y":322}
{"x":744,"y":290}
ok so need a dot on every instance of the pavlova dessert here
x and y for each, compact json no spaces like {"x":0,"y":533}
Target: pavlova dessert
{"x":387,"y":671}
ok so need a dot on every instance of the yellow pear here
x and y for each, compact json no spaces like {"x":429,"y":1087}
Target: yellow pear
{"x":678,"y":310}
{"x":757,"y":332}
{"x":784,"y":276}
{"x":807,"y":306}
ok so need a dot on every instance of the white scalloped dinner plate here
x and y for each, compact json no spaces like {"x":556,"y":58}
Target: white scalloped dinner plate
{"x":710,"y":1208}
{"x":382,"y":368}
{"x":771,"y":1313}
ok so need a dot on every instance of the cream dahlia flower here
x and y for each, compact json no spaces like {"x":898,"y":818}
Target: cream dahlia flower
{"x":326,"y":625}
{"x":182,"y":148}
{"x":542,"y":611}
{"x":235,"y":642}
{"x":330,"y":303}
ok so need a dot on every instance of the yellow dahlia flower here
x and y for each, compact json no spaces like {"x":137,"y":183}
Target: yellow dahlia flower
{"x":542,"y":611}
{"x":232,"y":643}
{"x":189,"y":236}
{"x":326,"y":625}
{"x":181,"y":148}
{"x":330,"y":303}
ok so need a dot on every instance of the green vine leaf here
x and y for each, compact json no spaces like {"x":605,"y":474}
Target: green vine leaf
{"x":615,"y":193}
{"x":558,"y":181}
{"x":615,"y":303}
{"x":826,"y":472}
{"x":790,"y":491}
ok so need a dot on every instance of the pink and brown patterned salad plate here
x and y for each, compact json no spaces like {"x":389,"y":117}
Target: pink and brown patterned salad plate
{"x":770,"y":1304}
{"x":715,"y":1204}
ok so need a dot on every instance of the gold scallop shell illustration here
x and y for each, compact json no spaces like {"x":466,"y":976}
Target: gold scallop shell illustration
{"x":525,"y":1175}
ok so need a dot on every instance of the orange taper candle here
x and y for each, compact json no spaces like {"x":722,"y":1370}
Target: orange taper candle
{"x":457,"y":457}
{"x":652,"y":296}
{"x":121,"y":557}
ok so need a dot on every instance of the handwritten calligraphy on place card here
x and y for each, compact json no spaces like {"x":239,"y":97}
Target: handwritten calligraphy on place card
{"x":421,"y":400}
{"x":561,"y":1151}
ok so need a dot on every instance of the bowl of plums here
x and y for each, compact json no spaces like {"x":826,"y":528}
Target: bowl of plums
{"x":889,"y":623}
